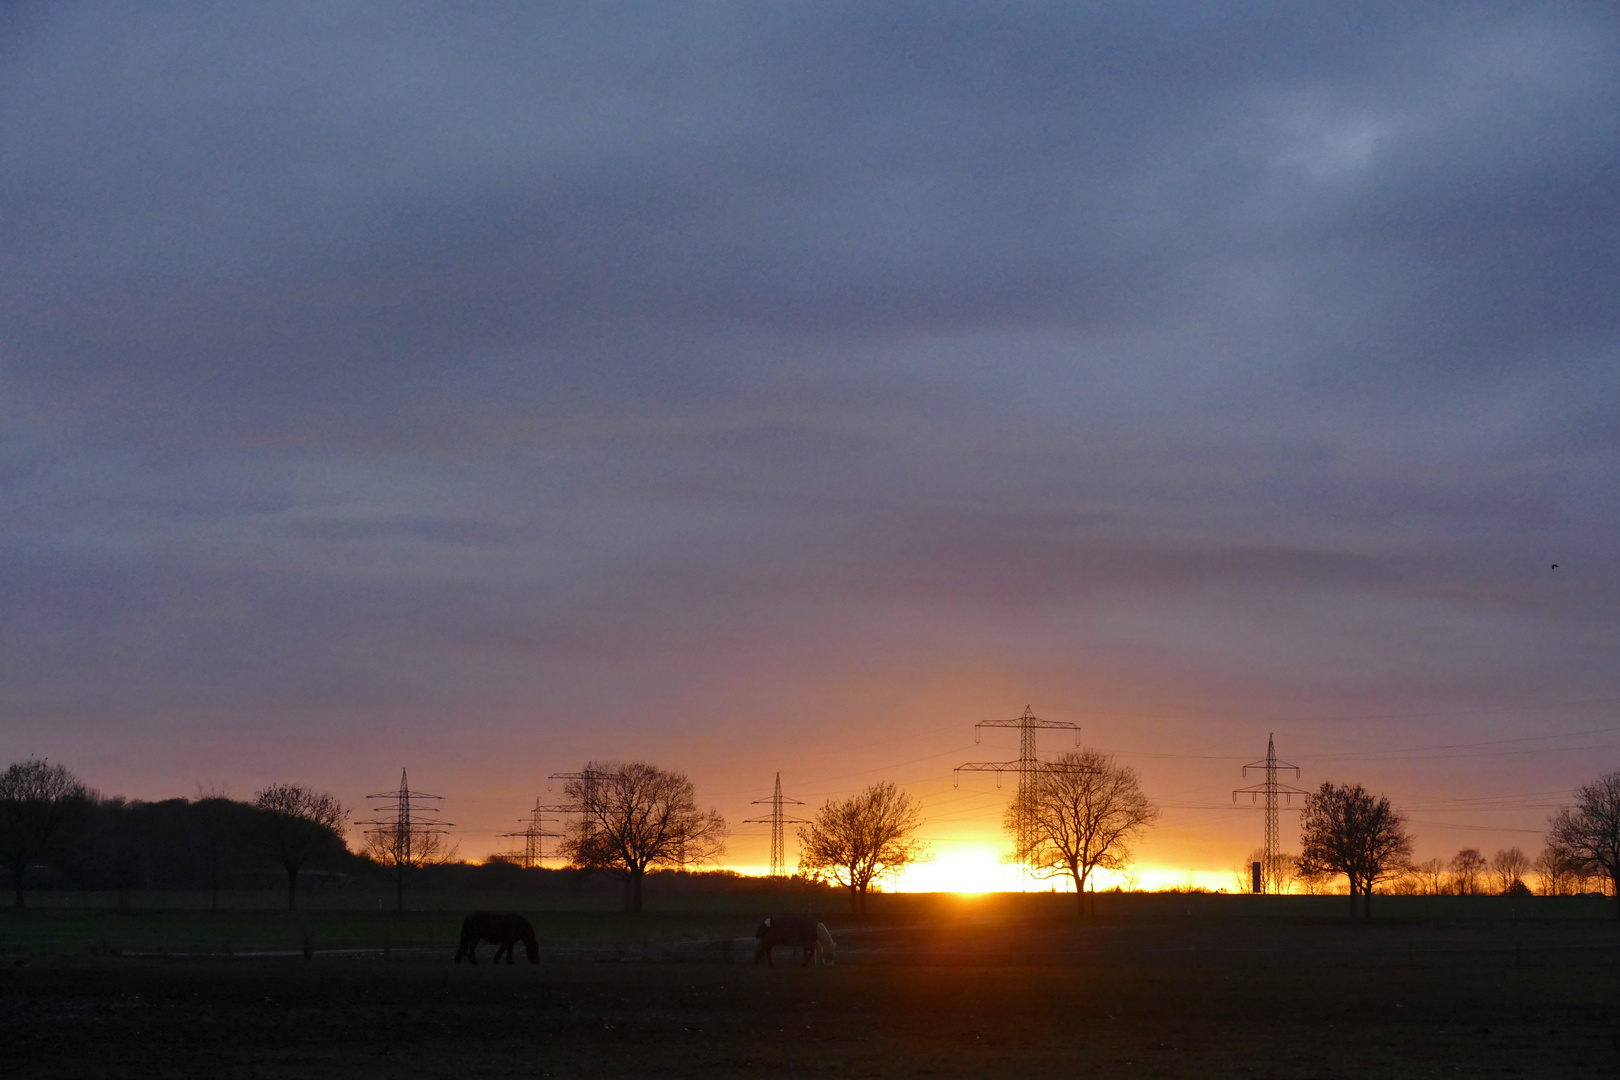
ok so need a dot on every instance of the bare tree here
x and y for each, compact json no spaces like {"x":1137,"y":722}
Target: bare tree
{"x":1508,"y":867}
{"x":1431,"y":877}
{"x":1243,"y":872}
{"x":1405,"y":882}
{"x":299,"y":825}
{"x":637,"y":816}
{"x":859,"y":841}
{"x":1589,"y":834}
{"x":1557,"y":874}
{"x":1079,"y":816}
{"x":404,"y":846}
{"x":1312,"y":880}
{"x":36,"y":800}
{"x":1347,"y":830}
{"x":1468,"y":868}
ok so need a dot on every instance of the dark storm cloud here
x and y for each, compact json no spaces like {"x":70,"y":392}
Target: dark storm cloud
{"x":327,"y":213}
{"x":391,"y":355}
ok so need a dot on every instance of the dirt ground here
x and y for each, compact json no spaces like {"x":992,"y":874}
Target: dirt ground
{"x":1018,"y":999}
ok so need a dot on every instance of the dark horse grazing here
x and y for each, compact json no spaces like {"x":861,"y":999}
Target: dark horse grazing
{"x":796,"y":931}
{"x":504,"y":930}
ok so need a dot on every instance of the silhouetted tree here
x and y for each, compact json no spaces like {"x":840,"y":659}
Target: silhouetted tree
{"x":1079,"y":816}
{"x":1589,"y":834}
{"x":119,"y":846}
{"x":37,"y":800}
{"x":1404,"y":881}
{"x":215,"y":823}
{"x":1347,"y":830}
{"x":859,"y":841}
{"x":1559,"y":875}
{"x":1467,"y":869}
{"x":1430,"y":875}
{"x":1508,"y":867}
{"x":299,"y":825}
{"x":403,"y":847}
{"x":637,"y":816}
{"x":1312,"y":880}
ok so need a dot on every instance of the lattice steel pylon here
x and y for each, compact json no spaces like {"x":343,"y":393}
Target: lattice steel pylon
{"x":1028,"y":766}
{"x":587,"y":778}
{"x":776,"y":821}
{"x":585,"y":805}
{"x":534,"y":850}
{"x":403,"y":834}
{"x":1271,"y":877}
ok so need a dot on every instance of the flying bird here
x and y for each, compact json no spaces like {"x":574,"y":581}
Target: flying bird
{"x":1555,"y":566}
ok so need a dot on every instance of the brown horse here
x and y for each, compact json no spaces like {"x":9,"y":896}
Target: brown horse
{"x":503,"y":930}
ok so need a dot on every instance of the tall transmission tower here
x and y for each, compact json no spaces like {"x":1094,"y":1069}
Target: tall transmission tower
{"x":1028,"y":766}
{"x":588,"y":779}
{"x":776,"y":821}
{"x":405,"y":833}
{"x":534,"y":851}
{"x":1271,"y":877}
{"x":584,"y":807}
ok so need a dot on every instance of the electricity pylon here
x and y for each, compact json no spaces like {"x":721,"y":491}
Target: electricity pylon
{"x":534,"y":850}
{"x":776,"y":821}
{"x":1028,"y":766}
{"x":1271,"y":852}
{"x":587,"y":798}
{"x":403,"y":834}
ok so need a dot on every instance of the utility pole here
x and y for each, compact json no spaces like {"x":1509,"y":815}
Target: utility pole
{"x":1268,"y":879}
{"x":404,"y":833}
{"x":1028,"y":766}
{"x":776,"y":821}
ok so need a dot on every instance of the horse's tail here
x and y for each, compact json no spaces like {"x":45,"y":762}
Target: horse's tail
{"x":825,"y":945}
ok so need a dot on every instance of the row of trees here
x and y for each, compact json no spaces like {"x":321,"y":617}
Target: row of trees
{"x":1079,"y":814}
{"x":1471,"y":873}
{"x":1345,"y":830}
{"x":49,"y":819}
{"x":1468,"y":873}
{"x":632,"y":818}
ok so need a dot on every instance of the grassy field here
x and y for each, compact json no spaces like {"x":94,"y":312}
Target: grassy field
{"x":929,"y":986}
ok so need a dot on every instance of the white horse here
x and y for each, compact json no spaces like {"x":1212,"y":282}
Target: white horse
{"x":825,"y":946}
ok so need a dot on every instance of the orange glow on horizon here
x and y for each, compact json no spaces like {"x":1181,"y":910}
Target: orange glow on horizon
{"x":970,"y":869}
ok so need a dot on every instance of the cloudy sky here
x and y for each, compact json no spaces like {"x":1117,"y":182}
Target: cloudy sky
{"x":486,"y":389}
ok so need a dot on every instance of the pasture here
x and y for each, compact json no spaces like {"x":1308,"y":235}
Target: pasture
{"x":1171,"y":986}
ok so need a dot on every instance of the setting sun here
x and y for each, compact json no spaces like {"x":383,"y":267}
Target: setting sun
{"x":966,"y":869}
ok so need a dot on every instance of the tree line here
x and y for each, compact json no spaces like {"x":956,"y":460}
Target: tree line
{"x":1078,"y":816}
{"x":52,"y":827}
{"x":1345,"y":830}
{"x":1080,"y":813}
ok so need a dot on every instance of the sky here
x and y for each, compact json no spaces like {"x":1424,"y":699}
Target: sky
{"x":486,"y":389}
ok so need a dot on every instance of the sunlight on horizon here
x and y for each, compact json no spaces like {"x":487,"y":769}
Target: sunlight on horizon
{"x":971,"y":869}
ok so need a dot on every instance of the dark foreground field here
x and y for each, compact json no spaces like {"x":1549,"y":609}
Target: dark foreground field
{"x":965,"y":996}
